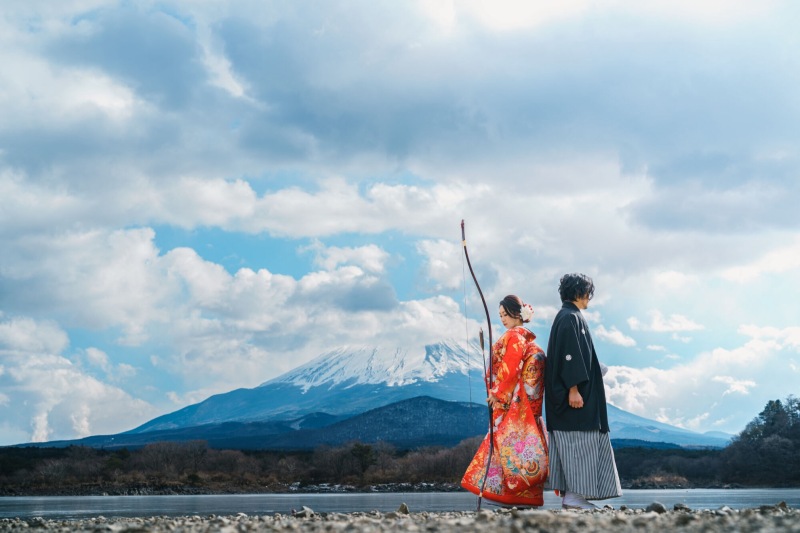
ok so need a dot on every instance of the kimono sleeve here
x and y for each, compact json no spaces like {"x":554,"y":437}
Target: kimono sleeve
{"x":572,"y":359}
{"x":510,"y":367}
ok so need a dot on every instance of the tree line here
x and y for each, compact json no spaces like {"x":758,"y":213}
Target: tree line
{"x":765,"y":453}
{"x":192,"y":466}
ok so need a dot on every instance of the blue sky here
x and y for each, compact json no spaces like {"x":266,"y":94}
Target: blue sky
{"x":200,"y":196}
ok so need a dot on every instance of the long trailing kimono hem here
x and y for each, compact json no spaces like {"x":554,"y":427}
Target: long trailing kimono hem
{"x":518,"y":467}
{"x":535,"y":500}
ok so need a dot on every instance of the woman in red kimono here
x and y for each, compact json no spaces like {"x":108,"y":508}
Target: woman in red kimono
{"x":519,"y":463}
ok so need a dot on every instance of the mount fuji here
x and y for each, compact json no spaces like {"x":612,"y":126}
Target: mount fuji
{"x":353,"y":382}
{"x":343,"y":383}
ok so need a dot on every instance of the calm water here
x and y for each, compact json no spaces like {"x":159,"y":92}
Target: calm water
{"x":109,"y":506}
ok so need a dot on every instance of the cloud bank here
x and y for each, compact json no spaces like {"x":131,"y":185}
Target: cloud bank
{"x":198,"y":197}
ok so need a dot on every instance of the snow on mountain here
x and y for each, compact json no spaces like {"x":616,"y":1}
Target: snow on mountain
{"x":393,"y":367}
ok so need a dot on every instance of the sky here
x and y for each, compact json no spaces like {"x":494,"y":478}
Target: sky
{"x":199,"y":196}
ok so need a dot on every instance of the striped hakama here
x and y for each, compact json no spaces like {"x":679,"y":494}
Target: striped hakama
{"x":583,"y":462}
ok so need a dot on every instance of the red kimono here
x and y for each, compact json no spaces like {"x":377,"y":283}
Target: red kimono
{"x":519,"y":464}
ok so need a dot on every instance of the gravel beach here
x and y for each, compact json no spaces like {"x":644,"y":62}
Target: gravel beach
{"x":655,"y":517}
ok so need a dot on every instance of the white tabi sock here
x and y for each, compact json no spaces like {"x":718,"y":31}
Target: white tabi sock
{"x":573,"y":499}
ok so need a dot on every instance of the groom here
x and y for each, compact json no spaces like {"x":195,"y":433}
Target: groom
{"x":582,"y":464}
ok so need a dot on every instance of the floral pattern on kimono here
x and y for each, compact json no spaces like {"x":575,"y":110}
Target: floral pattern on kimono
{"x":518,"y":467}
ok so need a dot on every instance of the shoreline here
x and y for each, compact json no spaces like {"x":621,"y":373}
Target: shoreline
{"x":655,"y":517}
{"x":176,"y":489}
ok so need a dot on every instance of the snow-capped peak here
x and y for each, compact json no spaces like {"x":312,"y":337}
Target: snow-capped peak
{"x":394,"y":367}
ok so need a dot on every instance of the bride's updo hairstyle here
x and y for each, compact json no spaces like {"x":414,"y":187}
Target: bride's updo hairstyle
{"x":513,"y":307}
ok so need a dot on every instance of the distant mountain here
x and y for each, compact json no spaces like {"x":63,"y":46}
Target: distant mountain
{"x":625,"y":425}
{"x":343,"y":382}
{"x":399,"y":396}
{"x":635,"y":443}
{"x":719,"y":435}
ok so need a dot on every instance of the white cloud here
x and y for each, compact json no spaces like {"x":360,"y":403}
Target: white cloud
{"x":591,"y":316}
{"x":219,"y":67}
{"x":371,"y":258}
{"x":114,"y":373}
{"x":789,"y":336}
{"x":98,"y":358}
{"x":51,"y":396}
{"x":518,"y":15}
{"x":46,"y":10}
{"x":545,"y":314}
{"x":22,"y":334}
{"x":699,"y":385}
{"x":740,"y":386}
{"x":193,"y":201}
{"x":699,"y":421}
{"x":614,"y":336}
{"x":633,"y":389}
{"x":81,"y":420}
{"x":339,"y":206}
{"x":97,"y":279}
{"x":442,"y":12}
{"x":714,"y":13}
{"x":779,"y":260}
{"x":509,"y":15}
{"x":444,"y":264}
{"x":661,"y":324}
{"x":41,"y":428}
{"x":81,"y":92}
{"x":674,"y":280}
{"x":125,"y":371}
{"x":205,"y":282}
{"x":192,"y":307}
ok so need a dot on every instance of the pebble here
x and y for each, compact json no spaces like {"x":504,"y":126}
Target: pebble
{"x":655,"y":517}
{"x":656,"y":507}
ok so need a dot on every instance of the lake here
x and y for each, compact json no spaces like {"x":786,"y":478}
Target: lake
{"x":75,"y":507}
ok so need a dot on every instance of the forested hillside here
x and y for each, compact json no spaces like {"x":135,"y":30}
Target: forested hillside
{"x":767,"y":452}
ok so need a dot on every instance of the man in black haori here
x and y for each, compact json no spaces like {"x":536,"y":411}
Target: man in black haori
{"x":581,"y":459}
